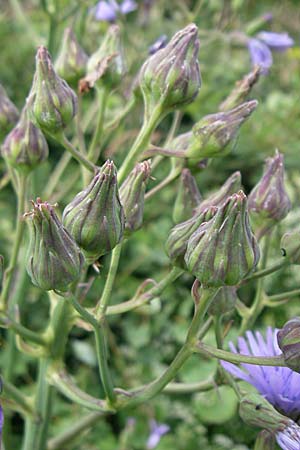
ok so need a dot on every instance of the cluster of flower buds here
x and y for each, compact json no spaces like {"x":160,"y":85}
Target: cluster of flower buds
{"x":188,"y":197}
{"x":268,"y":201}
{"x":171,"y":77}
{"x":95,"y":217}
{"x":240,"y":92}
{"x":9,"y":114}
{"x":289,"y":343}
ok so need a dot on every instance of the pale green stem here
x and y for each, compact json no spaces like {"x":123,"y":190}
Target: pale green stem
{"x":56,"y":174}
{"x":172,"y":176}
{"x":264,"y":272}
{"x":284,"y":295}
{"x":190,"y":388}
{"x":61,"y":138}
{"x":19,"y":398}
{"x":95,"y":147}
{"x":24,"y":332}
{"x":117,"y":119}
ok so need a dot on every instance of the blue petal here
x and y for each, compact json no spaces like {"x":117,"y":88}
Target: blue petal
{"x":260,"y":55}
{"x":276,"y":41}
{"x":105,"y":11}
{"x":127,"y":6}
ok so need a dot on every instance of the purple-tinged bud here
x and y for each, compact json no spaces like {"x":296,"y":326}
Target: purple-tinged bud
{"x":288,"y":339}
{"x":53,"y":102}
{"x":179,"y":236}
{"x":218,"y":198}
{"x":265,"y":441}
{"x":171,"y":77}
{"x":25,"y":147}
{"x":9,"y":114}
{"x":224,"y":301}
{"x":107,"y":65}
{"x":258,"y":412}
{"x":188,"y":197}
{"x":223,"y":251}
{"x":95,"y":217}
{"x":241,"y":90}
{"x":268,"y":200}
{"x":72,"y":59}
{"x":54,"y":259}
{"x":132,"y":194}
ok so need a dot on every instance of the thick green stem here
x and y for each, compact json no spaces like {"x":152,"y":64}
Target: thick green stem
{"x":95,"y":147}
{"x":24,"y":332}
{"x":61,"y":138}
{"x":264,"y":272}
{"x":9,"y":273}
{"x":18,"y":397}
{"x":101,"y":306}
{"x":190,"y":388}
{"x":283,"y":296}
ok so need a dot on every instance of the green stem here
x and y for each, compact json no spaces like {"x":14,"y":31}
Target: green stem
{"x":56,"y":174}
{"x":101,"y":349}
{"x":284,"y":295}
{"x":117,"y":119}
{"x":95,"y":147}
{"x":141,"y":143}
{"x":237,"y":358}
{"x":61,"y":138}
{"x":23,"y":20}
{"x":172,"y":176}
{"x":189,"y":388}
{"x":147,"y":296}
{"x":19,"y":398}
{"x":23,"y":331}
{"x":267,"y":271}
{"x":102,"y":304}
{"x":52,"y":31}
{"x":8,"y":277}
{"x":184,"y":353}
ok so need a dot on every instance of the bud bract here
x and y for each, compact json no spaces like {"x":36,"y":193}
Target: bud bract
{"x":171,"y":77}
{"x":132,"y":194}
{"x":72,"y":59}
{"x":25,"y":147}
{"x":224,"y":301}
{"x":9,"y":114}
{"x":179,"y":236}
{"x":54,"y":260}
{"x":107,"y":64}
{"x":241,"y":90}
{"x":265,"y":441}
{"x":289,"y":343}
{"x":256,"y":411}
{"x":53,"y":103}
{"x":188,"y":197}
{"x":268,"y":200}
{"x":223,"y":251}
{"x":95,"y":217}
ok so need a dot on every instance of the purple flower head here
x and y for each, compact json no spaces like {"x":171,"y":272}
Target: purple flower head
{"x":157,"y":431}
{"x":278,"y":385}
{"x":108,"y":10}
{"x":160,"y":43}
{"x":276,"y":41}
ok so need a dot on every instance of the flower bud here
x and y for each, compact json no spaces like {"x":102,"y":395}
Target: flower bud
{"x":231,"y":185}
{"x":223,"y":251}
{"x":25,"y":147}
{"x":53,"y":102}
{"x":72,"y":59}
{"x":224,"y":301}
{"x":188,"y":197}
{"x":210,"y":136}
{"x":288,"y":339}
{"x":54,"y":259}
{"x":132,"y":194}
{"x":9,"y":114}
{"x":179,"y":236}
{"x":268,"y":200}
{"x":258,"y":412}
{"x":265,"y":441}
{"x":107,"y":64}
{"x":171,"y":76}
{"x":241,"y":90}
{"x":95,"y":216}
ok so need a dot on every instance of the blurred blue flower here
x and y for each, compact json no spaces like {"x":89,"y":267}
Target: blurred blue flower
{"x":160,"y":43}
{"x":108,"y":10}
{"x":279,"y":385}
{"x":1,"y":422}
{"x":261,"y":45}
{"x":157,"y":431}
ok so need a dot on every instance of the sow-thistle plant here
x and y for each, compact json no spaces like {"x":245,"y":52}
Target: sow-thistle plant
{"x":77,"y":248}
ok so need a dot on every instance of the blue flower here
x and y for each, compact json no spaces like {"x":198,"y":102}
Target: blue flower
{"x":279,"y":385}
{"x":157,"y":431}
{"x":160,"y":43}
{"x":108,"y":10}
{"x":261,"y":45}
{"x":1,"y":422}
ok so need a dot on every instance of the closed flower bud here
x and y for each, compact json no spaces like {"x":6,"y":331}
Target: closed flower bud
{"x":72,"y":59}
{"x":53,"y":102}
{"x":179,"y":236}
{"x":95,"y":216}
{"x":241,"y":90}
{"x":223,"y":251}
{"x":224,"y":301}
{"x":107,"y":64}
{"x":9,"y":114}
{"x":258,"y":412}
{"x":268,"y":200}
{"x":25,"y":147}
{"x":171,"y":76}
{"x":231,"y":185}
{"x":289,"y":343}
{"x":132,"y":194}
{"x":188,"y":197}
{"x":265,"y":441}
{"x":54,"y":259}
